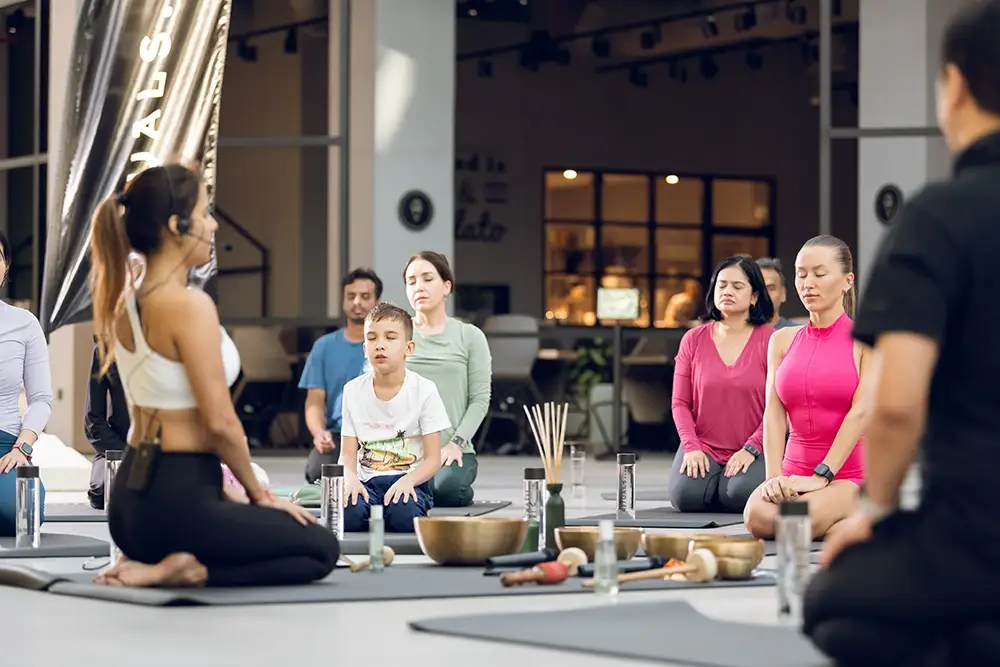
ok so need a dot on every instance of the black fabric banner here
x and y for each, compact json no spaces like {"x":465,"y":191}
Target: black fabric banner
{"x":144,"y":87}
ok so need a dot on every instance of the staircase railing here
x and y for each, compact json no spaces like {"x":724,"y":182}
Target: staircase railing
{"x":263,"y":268}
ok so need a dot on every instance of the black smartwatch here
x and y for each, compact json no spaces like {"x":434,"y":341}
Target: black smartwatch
{"x":753,"y":450}
{"x":823,"y":470}
{"x":458,"y":440}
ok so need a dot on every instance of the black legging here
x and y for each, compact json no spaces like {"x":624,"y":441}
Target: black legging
{"x":912,"y":596}
{"x":183,"y":510}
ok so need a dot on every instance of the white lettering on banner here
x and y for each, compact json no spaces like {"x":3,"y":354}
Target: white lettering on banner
{"x":481,"y":193}
{"x":152,"y":49}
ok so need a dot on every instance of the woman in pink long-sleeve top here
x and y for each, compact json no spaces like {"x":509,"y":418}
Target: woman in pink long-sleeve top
{"x":718,"y":397}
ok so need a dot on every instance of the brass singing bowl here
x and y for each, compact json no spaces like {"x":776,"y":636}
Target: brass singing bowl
{"x":627,"y":540}
{"x":674,"y":545}
{"x":678,"y":545}
{"x":469,"y":540}
{"x":735,"y":569}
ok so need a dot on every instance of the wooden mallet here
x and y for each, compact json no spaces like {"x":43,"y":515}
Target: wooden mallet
{"x":574,"y":558}
{"x":700,"y":567}
{"x":356,"y":566}
{"x":553,"y":572}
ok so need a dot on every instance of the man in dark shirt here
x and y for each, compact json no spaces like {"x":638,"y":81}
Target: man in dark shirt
{"x":106,"y":431}
{"x":917,"y":587}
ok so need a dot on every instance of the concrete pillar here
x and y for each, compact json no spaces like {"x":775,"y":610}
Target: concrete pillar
{"x":402,"y":137}
{"x":70,"y":347}
{"x":900,"y":47}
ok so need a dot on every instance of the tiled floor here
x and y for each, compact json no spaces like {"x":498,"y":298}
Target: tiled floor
{"x":48,"y":630}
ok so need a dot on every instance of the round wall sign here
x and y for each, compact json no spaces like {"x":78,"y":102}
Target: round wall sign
{"x":888,"y":201}
{"x":416,"y":210}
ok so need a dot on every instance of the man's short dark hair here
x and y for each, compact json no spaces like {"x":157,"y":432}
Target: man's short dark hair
{"x":762,"y":310}
{"x":362,"y":274}
{"x":971,"y":44}
{"x":772,"y":264}
{"x":383,"y":310}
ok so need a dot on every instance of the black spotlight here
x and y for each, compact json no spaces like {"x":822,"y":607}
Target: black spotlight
{"x":650,"y":38}
{"x":638,"y":78}
{"x":292,"y":41}
{"x":601,"y":47}
{"x":708,"y":67}
{"x":754,"y":60}
{"x":246,"y":52}
{"x":710,"y":27}
{"x":485,"y":69}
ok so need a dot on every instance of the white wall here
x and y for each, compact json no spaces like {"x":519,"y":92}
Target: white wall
{"x":741,"y":123}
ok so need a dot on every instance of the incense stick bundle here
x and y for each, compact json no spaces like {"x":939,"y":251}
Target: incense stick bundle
{"x":548,"y":426}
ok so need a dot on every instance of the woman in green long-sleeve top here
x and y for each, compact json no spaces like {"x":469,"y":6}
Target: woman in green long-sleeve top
{"x":456,"y":357}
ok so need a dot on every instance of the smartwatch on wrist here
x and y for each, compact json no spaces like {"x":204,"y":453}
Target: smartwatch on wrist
{"x":458,"y":440}
{"x":25,"y":449}
{"x":753,"y":450}
{"x":823,"y":470}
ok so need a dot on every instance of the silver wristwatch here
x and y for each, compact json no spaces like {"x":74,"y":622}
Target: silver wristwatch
{"x":873,"y":510}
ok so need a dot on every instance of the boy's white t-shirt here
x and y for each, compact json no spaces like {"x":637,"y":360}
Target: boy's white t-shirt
{"x":390,"y":433}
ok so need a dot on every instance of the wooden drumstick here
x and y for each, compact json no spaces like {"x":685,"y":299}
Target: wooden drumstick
{"x":700,"y":567}
{"x":549,"y":573}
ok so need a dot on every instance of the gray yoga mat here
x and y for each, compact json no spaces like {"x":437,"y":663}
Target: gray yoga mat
{"x":404,"y":544}
{"x":663,"y":517}
{"x":56,"y":545}
{"x":84,"y":513}
{"x":397,"y":582}
{"x":771,"y":547}
{"x":652,"y":495}
{"x":661,"y":632}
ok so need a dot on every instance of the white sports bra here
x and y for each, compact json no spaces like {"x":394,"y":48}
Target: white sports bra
{"x":150,"y":380}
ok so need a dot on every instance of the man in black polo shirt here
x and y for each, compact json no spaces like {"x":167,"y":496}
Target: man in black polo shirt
{"x":916,"y":587}
{"x":105,"y":421}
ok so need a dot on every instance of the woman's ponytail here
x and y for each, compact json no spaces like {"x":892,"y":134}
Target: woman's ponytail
{"x":850,"y":301}
{"x":108,"y":269}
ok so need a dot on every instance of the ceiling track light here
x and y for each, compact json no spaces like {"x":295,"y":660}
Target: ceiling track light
{"x":292,"y":41}
{"x":745,"y":20}
{"x":246,"y":51}
{"x":600,"y":46}
{"x":710,"y":27}
{"x":650,"y":38}
{"x":638,"y":78}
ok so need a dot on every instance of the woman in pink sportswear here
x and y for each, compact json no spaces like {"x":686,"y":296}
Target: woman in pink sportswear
{"x":819,"y":387}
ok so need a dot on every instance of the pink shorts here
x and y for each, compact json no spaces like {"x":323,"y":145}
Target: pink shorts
{"x":789,"y":468}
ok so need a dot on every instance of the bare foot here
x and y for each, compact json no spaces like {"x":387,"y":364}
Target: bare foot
{"x":176,"y":570}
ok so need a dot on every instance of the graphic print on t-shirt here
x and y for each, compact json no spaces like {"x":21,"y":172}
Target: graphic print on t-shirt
{"x":387,"y":455}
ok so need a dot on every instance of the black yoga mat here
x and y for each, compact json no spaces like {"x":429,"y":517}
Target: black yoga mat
{"x":653,"y":495}
{"x":56,"y":545}
{"x":397,"y":582}
{"x":84,"y":513}
{"x":671,"y":633}
{"x":478,"y":508}
{"x":663,"y":517}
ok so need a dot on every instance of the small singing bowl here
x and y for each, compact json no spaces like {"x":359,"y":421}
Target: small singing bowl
{"x":747,"y":548}
{"x":735,"y":569}
{"x":674,"y":545}
{"x":627,"y":540}
{"x":465,"y":540}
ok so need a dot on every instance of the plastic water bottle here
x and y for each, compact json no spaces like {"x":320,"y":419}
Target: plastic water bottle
{"x":606,"y":560}
{"x":794,"y":541}
{"x":534,"y":494}
{"x":376,"y":538}
{"x":28,"y":508}
{"x":331,"y":514}
{"x":112,"y":461}
{"x":626,"y":487}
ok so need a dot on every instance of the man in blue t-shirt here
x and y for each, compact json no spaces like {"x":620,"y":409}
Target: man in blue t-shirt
{"x":336,"y":359}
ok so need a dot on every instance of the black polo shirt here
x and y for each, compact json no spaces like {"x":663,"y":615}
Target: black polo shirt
{"x":937,"y":273}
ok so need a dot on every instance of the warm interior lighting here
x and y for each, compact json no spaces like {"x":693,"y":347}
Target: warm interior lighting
{"x":672,"y":180}
{"x":569,"y":174}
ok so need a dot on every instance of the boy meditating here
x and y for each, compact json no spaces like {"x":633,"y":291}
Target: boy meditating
{"x":391,"y":433}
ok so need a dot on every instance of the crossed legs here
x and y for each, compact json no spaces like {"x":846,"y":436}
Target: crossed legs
{"x":827,"y":506}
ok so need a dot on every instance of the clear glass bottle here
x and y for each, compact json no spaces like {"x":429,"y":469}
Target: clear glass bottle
{"x":376,"y":538}
{"x":534,"y":496}
{"x":626,"y":486}
{"x":28,"y":508}
{"x":112,"y":461}
{"x":331,"y":514}
{"x":793,"y":533}
{"x":606,"y":560}
{"x":577,"y":462}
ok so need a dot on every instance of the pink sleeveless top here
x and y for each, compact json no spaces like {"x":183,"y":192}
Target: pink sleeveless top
{"x":816,"y":381}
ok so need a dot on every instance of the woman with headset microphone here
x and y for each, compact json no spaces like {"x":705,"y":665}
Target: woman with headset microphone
{"x":169,"y":515}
